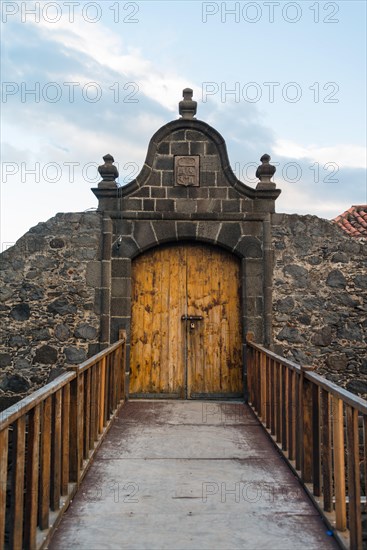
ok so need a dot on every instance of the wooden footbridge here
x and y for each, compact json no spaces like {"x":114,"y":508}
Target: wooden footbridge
{"x":81,"y":467}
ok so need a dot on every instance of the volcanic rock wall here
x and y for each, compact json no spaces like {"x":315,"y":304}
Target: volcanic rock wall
{"x":49,"y":311}
{"x":320,"y":298}
{"x":50,"y":300}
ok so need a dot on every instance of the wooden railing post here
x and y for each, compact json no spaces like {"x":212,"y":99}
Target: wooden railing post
{"x":46,"y":461}
{"x":74,"y":431}
{"x":45,"y":467}
{"x":65,"y":442}
{"x":16,"y":531}
{"x":4,"y":434}
{"x":31,"y":499}
{"x":295,"y":405}
{"x":354,"y":490}
{"x":55,"y":488}
{"x":339,"y":464}
{"x":306,"y":442}
{"x":327,"y":479}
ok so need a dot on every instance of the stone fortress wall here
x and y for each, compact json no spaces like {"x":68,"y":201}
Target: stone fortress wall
{"x":49,"y":311}
{"x":320,"y":298}
{"x":50,"y":300}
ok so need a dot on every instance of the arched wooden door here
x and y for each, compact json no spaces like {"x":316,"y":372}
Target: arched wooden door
{"x":186,"y":323}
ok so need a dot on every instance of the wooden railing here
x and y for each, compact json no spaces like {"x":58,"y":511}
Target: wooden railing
{"x":318,"y":426}
{"x":47,"y":442}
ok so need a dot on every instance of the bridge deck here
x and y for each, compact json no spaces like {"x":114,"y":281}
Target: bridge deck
{"x":189,"y":475}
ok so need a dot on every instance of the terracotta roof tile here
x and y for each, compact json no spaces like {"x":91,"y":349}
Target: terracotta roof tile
{"x":353,"y":221}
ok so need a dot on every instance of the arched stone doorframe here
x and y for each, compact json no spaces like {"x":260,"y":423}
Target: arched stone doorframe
{"x":130,"y":238}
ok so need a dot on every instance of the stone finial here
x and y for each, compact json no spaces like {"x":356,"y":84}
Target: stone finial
{"x":265,"y":172}
{"x":108,"y":172}
{"x":187,"y":107}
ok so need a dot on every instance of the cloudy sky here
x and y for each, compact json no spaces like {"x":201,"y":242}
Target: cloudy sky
{"x":82,"y":79}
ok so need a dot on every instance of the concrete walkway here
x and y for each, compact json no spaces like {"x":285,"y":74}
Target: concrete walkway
{"x":189,"y":475}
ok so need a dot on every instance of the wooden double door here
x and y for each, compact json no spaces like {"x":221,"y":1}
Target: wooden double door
{"x":186,"y":323}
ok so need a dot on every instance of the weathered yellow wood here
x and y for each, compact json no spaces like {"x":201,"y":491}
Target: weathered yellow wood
{"x":16,"y":533}
{"x":55,"y":487}
{"x":354,"y":488}
{"x":32,"y":469}
{"x":339,"y":465}
{"x":166,"y":354}
{"x":44,"y":487}
{"x":65,"y":439}
{"x":3,"y":479}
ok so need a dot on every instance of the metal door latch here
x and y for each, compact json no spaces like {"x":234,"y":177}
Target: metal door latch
{"x":192,"y":318}
{"x":192,"y":325}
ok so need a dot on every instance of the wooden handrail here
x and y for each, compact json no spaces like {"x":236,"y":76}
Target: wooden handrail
{"x":321,"y":430}
{"x":48,"y":440}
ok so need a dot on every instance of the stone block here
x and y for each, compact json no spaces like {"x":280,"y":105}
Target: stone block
{"x":210,"y":148}
{"x":194,"y":135}
{"x":20,"y":312}
{"x":121,"y":268}
{"x":231,"y":206}
{"x":75,"y":356}
{"x":249,"y":247}
{"x":208,"y":231}
{"x":5,"y":360}
{"x":120,"y":307}
{"x":164,"y":162}
{"x":209,"y":205}
{"x":167,"y":178}
{"x":62,"y":332}
{"x":127,"y":249}
{"x":120,"y":323}
{"x":179,"y":148}
{"x":143,"y":192}
{"x":165,"y":205}
{"x":197,"y":148}
{"x":230,"y":234}
{"x":158,"y":192}
{"x":165,"y":231}
{"x":163,"y":148}
{"x":198,"y":192}
{"x":93,"y":274}
{"x":290,"y":334}
{"x":322,"y":337}
{"x":179,"y":135}
{"x":336,"y":279}
{"x":208,"y":179}
{"x":220,"y":193}
{"x":121,"y":287}
{"x":178,"y":192}
{"x":122,"y":227}
{"x":85,"y":331}
{"x":185,"y":206}
{"x":46,"y":355}
{"x":148,"y":205}
{"x":186,"y":230}
{"x":155,"y":178}
{"x":144,"y":234}
{"x":61,"y":306}
{"x":132,"y":204}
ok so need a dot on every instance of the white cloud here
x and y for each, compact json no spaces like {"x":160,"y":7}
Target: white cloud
{"x":345,"y":156}
{"x":112,"y":54}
